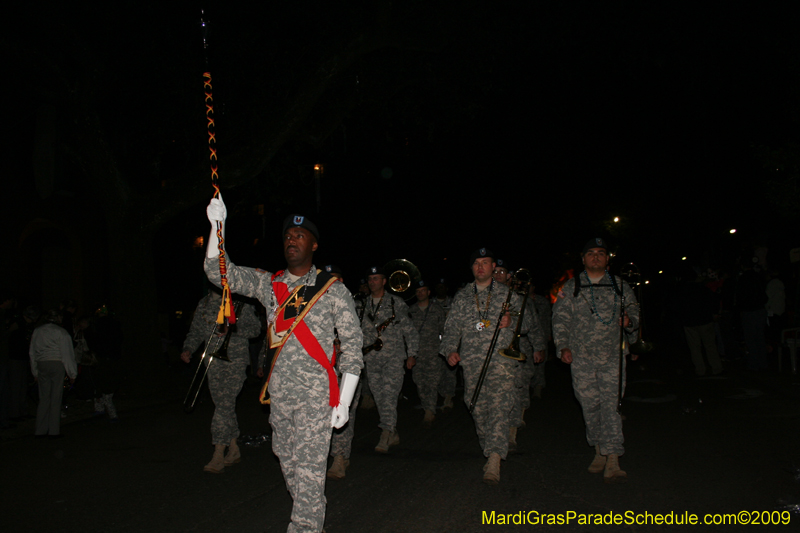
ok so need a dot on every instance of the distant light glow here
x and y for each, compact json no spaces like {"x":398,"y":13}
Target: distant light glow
{"x":733,"y":231}
{"x":616,"y":219}
{"x":646,"y":281}
{"x":660,"y":271}
{"x":683,"y":258}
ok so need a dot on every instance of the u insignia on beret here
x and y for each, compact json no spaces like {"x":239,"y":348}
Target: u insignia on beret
{"x":599,"y":242}
{"x":374,"y":270}
{"x":421,"y":283}
{"x":328,"y":268}
{"x":500,"y":263}
{"x":298,"y":220}
{"x":482,"y":251}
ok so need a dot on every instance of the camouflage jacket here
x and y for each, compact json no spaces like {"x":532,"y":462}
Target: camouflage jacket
{"x":398,"y":336}
{"x":464,"y":315}
{"x":588,"y":324}
{"x":205,"y":316}
{"x":429,"y":323}
{"x":536,"y":339}
{"x":334,"y":309}
{"x":545,"y":315}
{"x":445,"y":304}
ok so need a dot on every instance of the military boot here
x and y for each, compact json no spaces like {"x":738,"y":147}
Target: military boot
{"x":338,"y":467}
{"x":234,"y":455}
{"x":612,"y":473}
{"x":512,"y":438}
{"x":598,"y":463}
{"x":448,"y":403}
{"x":430,"y":416}
{"x":383,"y":444}
{"x":491,"y":471}
{"x":217,"y":464}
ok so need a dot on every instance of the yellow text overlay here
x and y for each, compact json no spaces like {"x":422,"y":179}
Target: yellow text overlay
{"x":630,"y":518}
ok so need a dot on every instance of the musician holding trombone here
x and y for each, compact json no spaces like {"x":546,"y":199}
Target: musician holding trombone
{"x":225,"y":378}
{"x":479,"y":321}
{"x":587,"y":317}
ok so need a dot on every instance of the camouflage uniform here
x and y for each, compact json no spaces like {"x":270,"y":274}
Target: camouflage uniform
{"x":225,"y":378}
{"x":534,"y":341}
{"x":385,"y":367}
{"x":447,"y":385}
{"x":496,"y":398}
{"x":544,"y":314}
{"x":300,"y":413}
{"x":363,"y":383}
{"x":342,"y":440}
{"x":595,"y":354}
{"x":430,"y":367}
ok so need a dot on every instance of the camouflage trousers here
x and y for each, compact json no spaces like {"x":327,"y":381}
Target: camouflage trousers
{"x":495,"y":401}
{"x":596,"y":384}
{"x":301,"y":435}
{"x":447,"y":383}
{"x":342,"y":440}
{"x":429,"y":374}
{"x":522,"y":395}
{"x":225,"y":380}
{"x":363,"y":384}
{"x":385,"y":380}
{"x":538,"y":379}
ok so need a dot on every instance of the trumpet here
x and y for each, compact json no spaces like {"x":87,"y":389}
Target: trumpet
{"x":216,"y":348}
{"x":521,"y":281}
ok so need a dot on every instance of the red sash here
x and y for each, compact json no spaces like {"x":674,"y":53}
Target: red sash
{"x":296,"y":326}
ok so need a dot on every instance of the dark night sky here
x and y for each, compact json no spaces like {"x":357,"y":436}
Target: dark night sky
{"x":525,"y":133}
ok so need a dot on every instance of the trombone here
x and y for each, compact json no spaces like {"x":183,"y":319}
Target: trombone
{"x":521,"y":281}
{"x":485,"y":367}
{"x":219,"y":350}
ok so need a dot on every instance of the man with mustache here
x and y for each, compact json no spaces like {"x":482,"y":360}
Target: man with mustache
{"x":586,"y":330}
{"x":471,"y":324}
{"x":304,"y":305}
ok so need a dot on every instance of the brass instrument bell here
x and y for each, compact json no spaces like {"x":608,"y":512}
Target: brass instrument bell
{"x":401,"y":277}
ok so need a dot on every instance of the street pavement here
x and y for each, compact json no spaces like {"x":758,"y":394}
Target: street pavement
{"x":693,"y":445}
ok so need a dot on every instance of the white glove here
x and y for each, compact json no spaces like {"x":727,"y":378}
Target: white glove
{"x":216,"y":210}
{"x":216,"y":213}
{"x":347,"y":389}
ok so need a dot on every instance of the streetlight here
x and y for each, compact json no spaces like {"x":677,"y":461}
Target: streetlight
{"x":317,"y":176}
